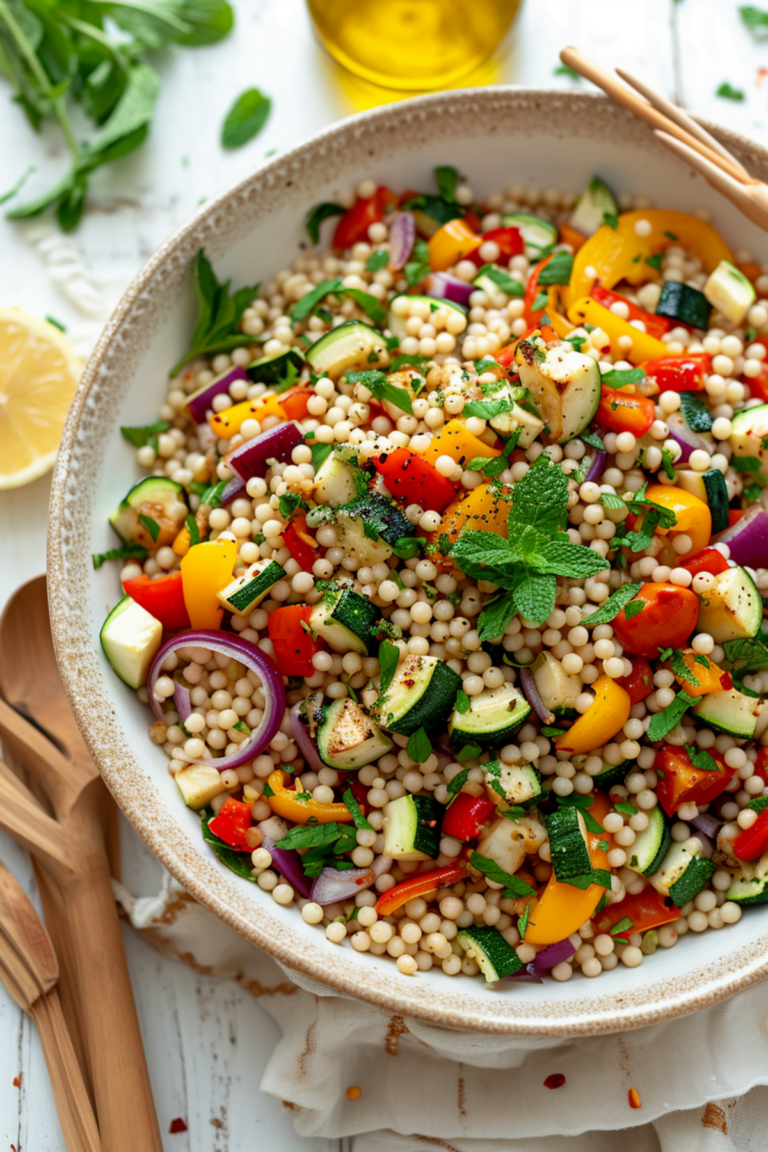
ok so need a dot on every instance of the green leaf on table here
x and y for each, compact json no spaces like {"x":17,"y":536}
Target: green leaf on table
{"x":245,"y":119}
{"x":728,"y":92}
{"x":756,"y":20}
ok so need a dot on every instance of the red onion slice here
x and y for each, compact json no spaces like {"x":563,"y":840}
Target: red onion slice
{"x":443,"y":286}
{"x":527,"y":974}
{"x":596,"y":468}
{"x":288,"y":863}
{"x":234,"y":488}
{"x":553,"y":955}
{"x":528,"y":685}
{"x":681,"y":434}
{"x":748,"y":538}
{"x":181,"y":700}
{"x":709,"y":825}
{"x":402,"y":236}
{"x":334,"y":884}
{"x":707,"y":845}
{"x":199,"y":403}
{"x":252,"y":457}
{"x":304,"y":741}
{"x":236,"y":648}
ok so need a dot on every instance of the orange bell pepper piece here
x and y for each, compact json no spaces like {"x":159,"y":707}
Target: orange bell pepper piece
{"x":419,"y":885}
{"x":183,"y":542}
{"x":607,"y":715}
{"x":294,"y":403}
{"x":562,"y":909}
{"x":225,"y":424}
{"x":205,"y":570}
{"x":284,"y":802}
{"x":453,"y":440}
{"x":570,"y":236}
{"x":484,"y":509}
{"x":711,"y":679}
{"x":452,"y":243}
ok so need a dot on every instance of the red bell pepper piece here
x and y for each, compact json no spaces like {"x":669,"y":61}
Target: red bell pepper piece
{"x":466,"y":815}
{"x":163,"y":598}
{"x":753,"y":842}
{"x":646,"y":910}
{"x":622,"y":412}
{"x":509,"y":241}
{"x":354,"y":224}
{"x":417,"y":885}
{"x":639,"y":683}
{"x":680,"y":373}
{"x":413,"y":480}
{"x":533,"y":316}
{"x":292,"y":640}
{"x":681,"y":783}
{"x":301,"y":543}
{"x":654,"y":325}
{"x":761,"y":765}
{"x":231,"y":824}
{"x":734,"y":515}
{"x":506,"y":356}
{"x":708,"y":560}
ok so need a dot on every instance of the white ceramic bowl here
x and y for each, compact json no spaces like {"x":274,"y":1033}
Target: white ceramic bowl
{"x":495,"y":136}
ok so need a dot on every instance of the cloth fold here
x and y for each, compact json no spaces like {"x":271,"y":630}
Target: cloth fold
{"x":702,"y":1080}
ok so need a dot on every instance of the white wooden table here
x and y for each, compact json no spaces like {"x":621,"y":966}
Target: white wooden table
{"x":208,"y":1040}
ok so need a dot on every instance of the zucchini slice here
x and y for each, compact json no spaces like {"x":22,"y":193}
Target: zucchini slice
{"x":412,"y":828}
{"x":347,"y":621}
{"x":347,"y":738}
{"x":685,"y":304}
{"x":421,"y":695}
{"x":729,"y":711}
{"x":130,"y":638}
{"x":568,"y":844}
{"x":493,"y":955}
{"x":611,"y":774}
{"x":749,"y":427}
{"x":492,"y":718}
{"x":160,"y":501}
{"x":731,"y":609}
{"x":729,"y":290}
{"x":557,"y":689}
{"x":750,"y":884}
{"x":508,"y":785}
{"x":198,"y":784}
{"x":273,"y":369}
{"x":247,"y":591}
{"x":369,"y":526}
{"x":652,"y":844}
{"x":565,"y":385}
{"x":339,"y":479}
{"x":683,"y":872}
{"x":536,"y":233}
{"x":710,"y":487}
{"x":350,"y":346}
{"x":592,"y":207}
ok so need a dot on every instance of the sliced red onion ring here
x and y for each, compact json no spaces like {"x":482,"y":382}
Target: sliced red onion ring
{"x":304,"y":741}
{"x":553,"y":955}
{"x":181,"y":700}
{"x":681,"y":434}
{"x":528,"y":685}
{"x":709,"y":825}
{"x":527,"y":974}
{"x":236,"y":648}
{"x":234,"y":488}
{"x":443,"y":286}
{"x":288,"y":863}
{"x":199,"y":403}
{"x":402,"y":236}
{"x":707,"y":845}
{"x":443,"y":752}
{"x":333,"y":884}
{"x":748,"y":538}
{"x":252,"y":457}
{"x":596,"y":468}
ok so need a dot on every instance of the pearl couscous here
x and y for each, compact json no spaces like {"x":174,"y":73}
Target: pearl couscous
{"x":445,"y":580}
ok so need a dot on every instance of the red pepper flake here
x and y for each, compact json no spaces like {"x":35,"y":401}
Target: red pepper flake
{"x":17,"y":1080}
{"x":177,"y":1125}
{"x":556,"y":1080}
{"x":634,"y":1099}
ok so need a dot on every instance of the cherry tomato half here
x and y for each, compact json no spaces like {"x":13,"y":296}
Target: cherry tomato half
{"x":639,"y":683}
{"x":681,"y":783}
{"x":354,"y":224}
{"x":667,"y":619}
{"x":619,"y":411}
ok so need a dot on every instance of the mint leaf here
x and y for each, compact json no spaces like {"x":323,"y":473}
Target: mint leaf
{"x":728,"y":92}
{"x":495,"y":616}
{"x":245,"y":119}
{"x":617,"y":378}
{"x":522,"y":922}
{"x":468,"y":752}
{"x":611,"y":607}
{"x":379,"y":386}
{"x":463,"y":702}
{"x":535,"y":595}
{"x":307,"y":304}
{"x":455,"y":785}
{"x":503,"y":281}
{"x":701,"y":759}
{"x":389,"y":658}
{"x":144,"y":434}
{"x":419,"y":747}
{"x":575,"y":561}
{"x":624,"y":925}
{"x":558,"y":270}
{"x":319,"y":213}
{"x":447,"y":178}
{"x":219,"y":314}
{"x":512,"y":884}
{"x":151,"y":526}
{"x":681,"y":669}
{"x":125,"y":552}
{"x":626,"y":808}
{"x":377,"y":260}
{"x":665,"y":721}
{"x":655,"y":261}
{"x":539,"y":499}
{"x":487,"y":409}
{"x":753,"y":651}
{"x":695,"y":412}
{"x":611,"y":219}
{"x":634,"y":608}
{"x":746,"y":463}
{"x":357,"y":815}
{"x":756,"y":20}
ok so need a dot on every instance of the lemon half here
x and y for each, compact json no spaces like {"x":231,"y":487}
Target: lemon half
{"x":39,"y":373}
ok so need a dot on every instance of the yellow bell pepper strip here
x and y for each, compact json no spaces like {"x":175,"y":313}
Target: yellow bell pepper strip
{"x":452,"y":243}
{"x":284,"y":802}
{"x":607,"y":715}
{"x":453,"y":440}
{"x":561,"y":325}
{"x":183,"y":542}
{"x":615,"y":254}
{"x":205,"y":570}
{"x":225,"y":424}
{"x":562,"y":908}
{"x":694,"y":520}
{"x":644,"y":347}
{"x":711,"y":679}
{"x":484,"y":509}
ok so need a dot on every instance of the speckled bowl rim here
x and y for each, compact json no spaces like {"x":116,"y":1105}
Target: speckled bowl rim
{"x":69,"y":563}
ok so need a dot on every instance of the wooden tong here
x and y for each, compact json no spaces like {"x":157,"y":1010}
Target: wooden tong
{"x":682,"y":134}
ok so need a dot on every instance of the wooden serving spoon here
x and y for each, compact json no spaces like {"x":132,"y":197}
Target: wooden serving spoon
{"x":29,"y":971}
{"x":57,"y":812}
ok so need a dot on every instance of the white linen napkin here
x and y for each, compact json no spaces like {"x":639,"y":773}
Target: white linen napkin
{"x":702,"y":1080}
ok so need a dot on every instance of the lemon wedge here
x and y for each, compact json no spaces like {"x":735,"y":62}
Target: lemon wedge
{"x":39,"y":373}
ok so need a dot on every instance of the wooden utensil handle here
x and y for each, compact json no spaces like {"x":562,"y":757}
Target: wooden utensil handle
{"x":109,"y":1024}
{"x":78,"y":1123}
